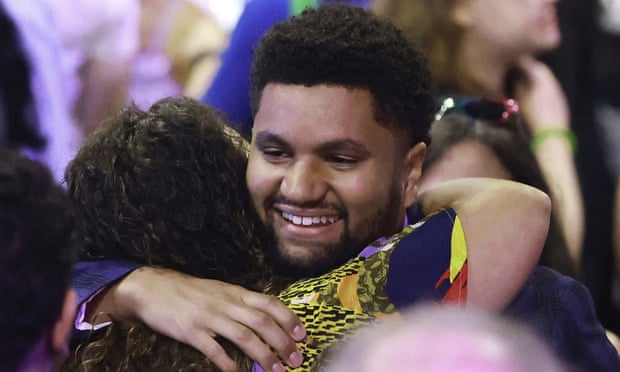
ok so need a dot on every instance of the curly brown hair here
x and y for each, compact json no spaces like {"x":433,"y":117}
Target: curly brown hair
{"x":165,"y":187}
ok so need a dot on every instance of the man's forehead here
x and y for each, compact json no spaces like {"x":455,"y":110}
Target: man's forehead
{"x":325,"y":112}
{"x":313,"y":102}
{"x":315,"y":89}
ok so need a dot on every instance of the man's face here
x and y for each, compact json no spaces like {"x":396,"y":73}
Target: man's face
{"x":324,"y":176}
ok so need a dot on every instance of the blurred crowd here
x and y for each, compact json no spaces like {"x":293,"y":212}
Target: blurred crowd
{"x":527,"y":91}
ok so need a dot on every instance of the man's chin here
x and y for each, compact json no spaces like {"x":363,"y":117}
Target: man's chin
{"x":296,"y":268}
{"x":294,"y":259}
{"x":309,"y":262}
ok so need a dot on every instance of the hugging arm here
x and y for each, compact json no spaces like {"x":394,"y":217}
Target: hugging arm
{"x":195,"y":311}
{"x":505,"y":225}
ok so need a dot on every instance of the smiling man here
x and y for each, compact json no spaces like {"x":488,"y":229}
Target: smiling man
{"x":342,"y":105}
{"x":327,"y":195}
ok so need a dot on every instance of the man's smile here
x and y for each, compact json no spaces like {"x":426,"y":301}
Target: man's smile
{"x":309,"y":221}
{"x":308,"y":225}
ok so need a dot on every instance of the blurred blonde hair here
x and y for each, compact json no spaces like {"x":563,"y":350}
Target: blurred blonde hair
{"x":430,"y":22}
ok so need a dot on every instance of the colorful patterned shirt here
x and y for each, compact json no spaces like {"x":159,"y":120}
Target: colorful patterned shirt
{"x":425,"y":261}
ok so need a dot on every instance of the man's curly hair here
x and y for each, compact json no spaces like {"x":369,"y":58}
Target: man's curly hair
{"x":38,"y":248}
{"x":348,"y":46}
{"x":165,"y":187}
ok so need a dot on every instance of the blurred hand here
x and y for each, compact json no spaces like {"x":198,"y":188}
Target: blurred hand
{"x":194,"y":311}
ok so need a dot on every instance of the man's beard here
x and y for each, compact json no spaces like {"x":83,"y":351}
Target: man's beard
{"x":332,"y":255}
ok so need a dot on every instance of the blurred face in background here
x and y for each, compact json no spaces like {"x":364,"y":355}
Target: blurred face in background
{"x":511,"y":26}
{"x":468,"y":158}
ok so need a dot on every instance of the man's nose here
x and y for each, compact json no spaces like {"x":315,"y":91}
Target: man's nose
{"x":305,"y":181}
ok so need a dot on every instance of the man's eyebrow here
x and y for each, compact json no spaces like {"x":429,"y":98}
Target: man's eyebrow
{"x":268,"y":138}
{"x":347,"y":144}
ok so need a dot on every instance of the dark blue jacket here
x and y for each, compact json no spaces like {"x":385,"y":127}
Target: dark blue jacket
{"x":561,"y":310}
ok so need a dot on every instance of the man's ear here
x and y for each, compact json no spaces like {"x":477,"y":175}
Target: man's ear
{"x":461,"y":14}
{"x":413,"y":168}
{"x":62,"y":329}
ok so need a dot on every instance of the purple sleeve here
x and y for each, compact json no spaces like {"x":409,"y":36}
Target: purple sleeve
{"x":91,"y":276}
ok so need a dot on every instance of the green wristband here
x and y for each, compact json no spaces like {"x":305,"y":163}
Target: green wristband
{"x":554,"y":132}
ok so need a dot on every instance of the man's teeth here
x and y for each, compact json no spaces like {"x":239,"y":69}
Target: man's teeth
{"x":308,"y":221}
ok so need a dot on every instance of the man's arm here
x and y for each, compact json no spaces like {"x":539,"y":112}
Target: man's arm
{"x":505,"y":225}
{"x":195,"y":311}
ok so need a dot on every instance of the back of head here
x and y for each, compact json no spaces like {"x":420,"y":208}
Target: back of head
{"x":508,"y":142}
{"x":505,"y":138}
{"x":434,"y":339}
{"x":164,"y":187}
{"x":351,"y":47}
{"x":38,"y":247}
{"x":167,"y":187}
